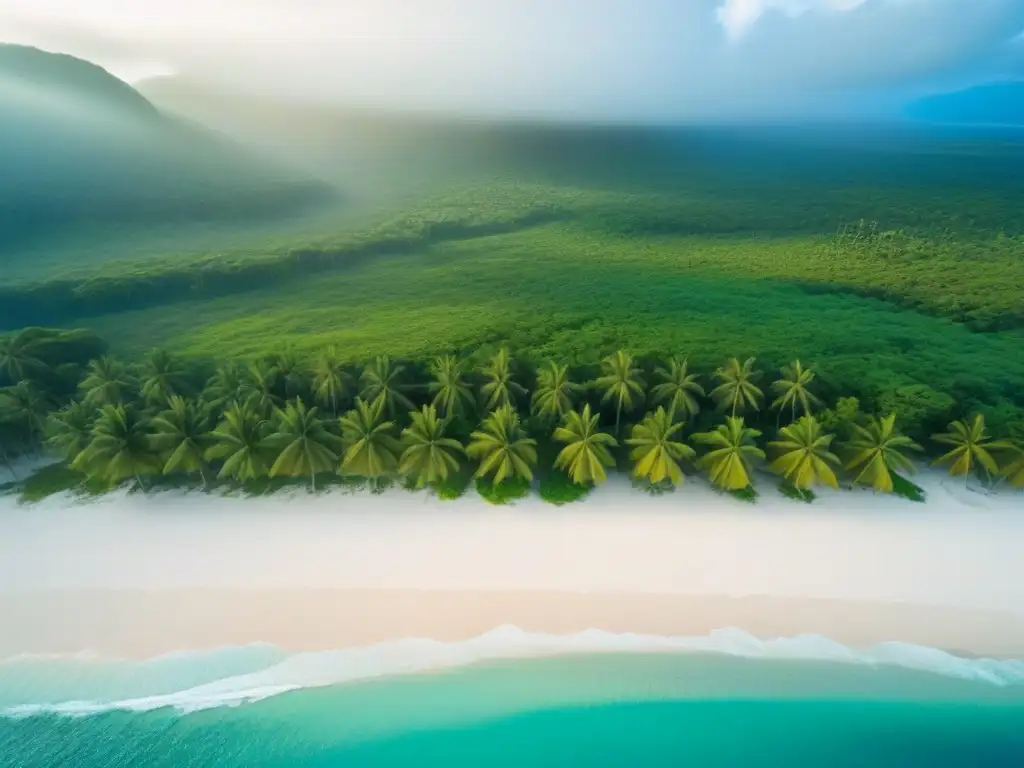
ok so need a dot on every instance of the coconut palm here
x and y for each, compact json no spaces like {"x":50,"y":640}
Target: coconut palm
{"x":291,"y":373}
{"x":1013,"y":469}
{"x":499,"y":388}
{"x":19,"y":357}
{"x":371,"y":449}
{"x":162,"y":377}
{"x":107,"y":382}
{"x":793,"y":390}
{"x":621,"y":383}
{"x":261,"y":387}
{"x":69,"y":430}
{"x":658,"y":449}
{"x":679,"y":389}
{"x":586,"y":453}
{"x":971,"y":448}
{"x":181,"y":435}
{"x":331,"y":382}
{"x":733,"y":451}
{"x":553,"y":397}
{"x":239,"y":441}
{"x":230,"y":383}
{"x":305,"y":445}
{"x":382,"y":383}
{"x":120,"y":447}
{"x":429,"y":456}
{"x":803,"y":454}
{"x":738,"y":390}
{"x":502,"y":447}
{"x":25,"y":408}
{"x":877,"y":451}
{"x":451,"y":388}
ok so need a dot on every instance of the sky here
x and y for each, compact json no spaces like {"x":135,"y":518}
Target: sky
{"x":615,"y":59}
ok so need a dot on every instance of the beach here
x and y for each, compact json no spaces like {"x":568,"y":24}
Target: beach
{"x":135,"y":575}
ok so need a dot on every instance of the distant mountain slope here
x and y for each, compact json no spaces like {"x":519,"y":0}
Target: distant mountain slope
{"x":991,"y":104}
{"x":81,"y":149}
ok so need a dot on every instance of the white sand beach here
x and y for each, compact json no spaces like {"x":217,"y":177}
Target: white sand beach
{"x":136,"y":575}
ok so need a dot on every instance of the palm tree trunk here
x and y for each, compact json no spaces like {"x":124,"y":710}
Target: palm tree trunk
{"x":202,"y":475}
{"x":618,"y":417}
{"x":138,"y":479}
{"x":312,"y":477}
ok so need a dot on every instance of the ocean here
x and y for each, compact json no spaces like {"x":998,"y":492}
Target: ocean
{"x":511,"y":698}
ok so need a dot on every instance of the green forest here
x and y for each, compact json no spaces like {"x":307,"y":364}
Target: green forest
{"x":509,"y":425}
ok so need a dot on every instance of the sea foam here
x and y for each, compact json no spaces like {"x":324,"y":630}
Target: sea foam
{"x":288,"y":672}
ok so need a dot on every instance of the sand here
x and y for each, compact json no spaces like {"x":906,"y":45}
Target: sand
{"x":136,"y":576}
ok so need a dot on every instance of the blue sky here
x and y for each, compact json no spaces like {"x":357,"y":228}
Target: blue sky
{"x":618,"y":59}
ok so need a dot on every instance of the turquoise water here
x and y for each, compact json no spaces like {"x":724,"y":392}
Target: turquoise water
{"x":612,"y":709}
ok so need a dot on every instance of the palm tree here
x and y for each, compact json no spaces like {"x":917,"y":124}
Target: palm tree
{"x":792,"y":390}
{"x":19,"y":357}
{"x":305,"y":445}
{"x":107,"y":382}
{"x":290,"y":373}
{"x":502,"y":447}
{"x":120,"y":447}
{"x":261,"y":387}
{"x":163,"y":376}
{"x":382,"y":383}
{"x":553,"y":398}
{"x":971,"y":446}
{"x":586,"y":453}
{"x":621,"y":382}
{"x":371,"y":450}
{"x":679,"y":388}
{"x":239,"y":441}
{"x":428,"y":456}
{"x":182,"y":435}
{"x":733,"y":452}
{"x":452,"y":391}
{"x":657,"y":450}
{"x":804,"y":454}
{"x":25,"y":407}
{"x":229,"y":384}
{"x":499,"y":388}
{"x":331,"y":382}
{"x":69,"y":430}
{"x":738,"y":389}
{"x":878,"y":451}
{"x":1013,"y":471}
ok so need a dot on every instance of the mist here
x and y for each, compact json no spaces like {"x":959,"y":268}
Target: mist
{"x":607,"y":60}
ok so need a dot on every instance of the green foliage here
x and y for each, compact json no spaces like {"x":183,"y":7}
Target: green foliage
{"x":383,"y":385}
{"x":429,"y":456}
{"x":908,"y":490}
{"x":303,"y":444}
{"x":803,"y":454}
{"x":793,"y":390}
{"x":371,"y":448}
{"x":732,"y":455}
{"x":450,"y":385}
{"x":500,"y":389}
{"x":621,"y":383}
{"x":972,"y":448}
{"x":878,"y":451}
{"x":557,"y":488}
{"x":555,"y":393}
{"x":790,"y":491}
{"x":454,"y":486}
{"x":658,"y":448}
{"x":120,"y":448}
{"x":511,"y":489}
{"x":587,"y":450}
{"x":238,"y":441}
{"x":679,"y":389}
{"x":503,"y":448}
{"x":181,"y":436}
{"x":738,"y":389}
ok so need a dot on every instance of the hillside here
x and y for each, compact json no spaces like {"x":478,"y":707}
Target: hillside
{"x":991,"y":104}
{"x":81,"y":151}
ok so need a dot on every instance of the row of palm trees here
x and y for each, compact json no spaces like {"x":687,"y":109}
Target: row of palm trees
{"x":278,"y":417}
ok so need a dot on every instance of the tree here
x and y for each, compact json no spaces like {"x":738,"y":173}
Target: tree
{"x":304,"y":444}
{"x":429,"y":456}
{"x":261,"y":387}
{"x":793,"y":389}
{"x":120,"y":447}
{"x":69,"y":430}
{"x":804,"y":455}
{"x":738,"y":389}
{"x":499,"y":388}
{"x":230,"y":383}
{"x":1013,"y":470}
{"x":553,"y":397}
{"x":502,"y":447}
{"x":382,"y":383}
{"x":733,"y":451}
{"x":107,"y":382}
{"x":19,"y":357}
{"x":239,"y":441}
{"x":877,"y":451}
{"x":622,"y":383}
{"x":586,"y":453}
{"x":181,"y":435}
{"x":451,"y":388}
{"x":371,"y":449}
{"x":25,"y":408}
{"x":291,"y":374}
{"x":971,"y":448}
{"x":331,"y":382}
{"x":163,"y":376}
{"x":679,"y":388}
{"x":657,"y":449}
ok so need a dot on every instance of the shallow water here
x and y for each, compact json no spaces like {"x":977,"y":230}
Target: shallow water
{"x":626,"y":708}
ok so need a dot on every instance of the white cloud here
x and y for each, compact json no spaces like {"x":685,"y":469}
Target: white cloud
{"x":737,"y":16}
